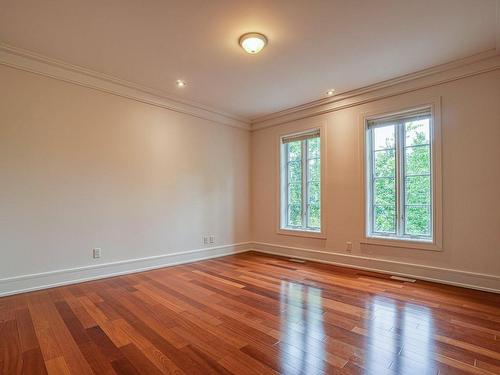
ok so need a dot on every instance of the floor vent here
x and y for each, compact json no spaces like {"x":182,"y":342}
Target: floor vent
{"x":399,"y":278}
{"x":295,"y":260}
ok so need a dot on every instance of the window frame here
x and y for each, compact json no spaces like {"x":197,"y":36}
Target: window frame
{"x":400,"y":178}
{"x":282,"y":191}
{"x":408,"y":241}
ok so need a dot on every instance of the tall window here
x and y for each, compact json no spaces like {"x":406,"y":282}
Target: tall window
{"x":399,"y":176}
{"x":301,"y":182}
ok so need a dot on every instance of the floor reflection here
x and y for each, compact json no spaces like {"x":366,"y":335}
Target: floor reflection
{"x":389,"y":337}
{"x":399,"y":338}
{"x":417,"y":331}
{"x":380,"y":344}
{"x":302,"y":344}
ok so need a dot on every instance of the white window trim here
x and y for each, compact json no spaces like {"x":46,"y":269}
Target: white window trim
{"x":421,"y":244}
{"x":300,"y":232}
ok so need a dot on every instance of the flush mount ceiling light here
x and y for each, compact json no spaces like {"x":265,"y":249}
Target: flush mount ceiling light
{"x":330,"y":92}
{"x":253,"y":42}
{"x":180,"y":83}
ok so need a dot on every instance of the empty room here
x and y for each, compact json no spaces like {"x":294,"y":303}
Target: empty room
{"x":250,"y":187}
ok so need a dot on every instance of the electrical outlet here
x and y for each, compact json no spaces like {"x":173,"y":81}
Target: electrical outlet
{"x":96,"y":252}
{"x":348,"y":246}
{"x":212,"y":239}
{"x":205,"y":240}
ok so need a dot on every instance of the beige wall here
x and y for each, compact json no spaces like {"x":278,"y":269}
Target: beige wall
{"x":81,"y":168}
{"x":470,"y":175}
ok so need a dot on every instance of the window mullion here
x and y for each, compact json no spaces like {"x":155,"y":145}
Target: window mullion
{"x":398,"y":178}
{"x":304,"y":184}
{"x":400,"y":188}
{"x":287,"y":185}
{"x":372,"y":181}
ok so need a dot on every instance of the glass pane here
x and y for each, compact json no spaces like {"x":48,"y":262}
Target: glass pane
{"x":295,"y":194}
{"x":384,"y":219}
{"x":294,"y":150}
{"x":294,"y":171}
{"x":384,"y":190}
{"x":384,"y":137}
{"x":314,"y":170}
{"x":314,"y":193}
{"x":313,"y":148}
{"x":418,"y":190}
{"x":294,"y":215}
{"x":385,"y":163}
{"x":418,"y":220}
{"x":418,"y":160}
{"x":314,"y":219}
{"x":417,"y":132}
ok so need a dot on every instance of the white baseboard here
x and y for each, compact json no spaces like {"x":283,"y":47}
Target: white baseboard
{"x":27,"y":283}
{"x":466,"y":279}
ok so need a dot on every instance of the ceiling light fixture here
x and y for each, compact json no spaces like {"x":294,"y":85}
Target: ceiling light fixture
{"x":330,"y":92}
{"x":180,"y":83}
{"x":253,"y":43}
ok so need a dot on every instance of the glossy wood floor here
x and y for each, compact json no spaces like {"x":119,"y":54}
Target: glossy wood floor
{"x":251,"y":314}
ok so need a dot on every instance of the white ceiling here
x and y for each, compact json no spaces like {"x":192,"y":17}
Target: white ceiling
{"x":313,"y":44}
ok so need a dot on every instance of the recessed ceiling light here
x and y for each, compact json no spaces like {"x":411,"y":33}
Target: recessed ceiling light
{"x":180,"y":83}
{"x":253,"y":42}
{"x":330,"y":92}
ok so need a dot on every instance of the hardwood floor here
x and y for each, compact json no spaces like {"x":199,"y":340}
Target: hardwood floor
{"x":251,"y":314}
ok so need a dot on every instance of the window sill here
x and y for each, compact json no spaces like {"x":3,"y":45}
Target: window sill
{"x":402,"y":243}
{"x":301,"y":233}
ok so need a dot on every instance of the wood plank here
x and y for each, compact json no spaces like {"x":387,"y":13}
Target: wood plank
{"x":27,"y":335}
{"x":10,"y":350}
{"x":68,"y":347}
{"x":57,"y":366}
{"x":140,"y":361}
{"x":248,"y":314}
{"x":33,"y":362}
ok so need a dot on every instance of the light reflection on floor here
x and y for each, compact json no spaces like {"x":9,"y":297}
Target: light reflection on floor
{"x":417,"y":353}
{"x":302,"y":346}
{"x":393,"y":337}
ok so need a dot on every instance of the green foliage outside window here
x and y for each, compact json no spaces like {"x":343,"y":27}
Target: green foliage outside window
{"x":417,"y":179}
{"x":295,"y":183}
{"x":313,"y":183}
{"x":294,"y":156}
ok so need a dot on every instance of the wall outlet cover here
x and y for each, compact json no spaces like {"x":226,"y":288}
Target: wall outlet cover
{"x":96,"y":252}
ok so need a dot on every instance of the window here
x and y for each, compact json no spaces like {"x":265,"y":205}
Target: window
{"x":301,"y":182}
{"x":399,"y":176}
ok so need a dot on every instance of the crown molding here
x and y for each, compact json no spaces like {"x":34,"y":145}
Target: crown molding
{"x":458,"y":69}
{"x":35,"y":63}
